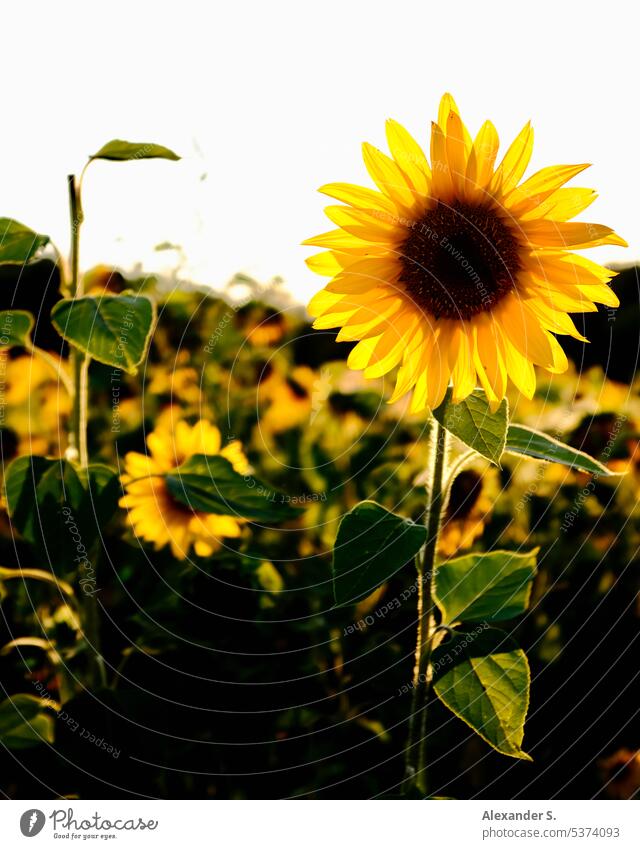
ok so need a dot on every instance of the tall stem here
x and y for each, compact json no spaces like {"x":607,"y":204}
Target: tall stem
{"x":415,"y":754}
{"x":78,"y":450}
{"x":76,"y":437}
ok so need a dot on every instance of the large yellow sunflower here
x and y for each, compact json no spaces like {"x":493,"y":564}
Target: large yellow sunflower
{"x":154,"y":514}
{"x":455,"y":270}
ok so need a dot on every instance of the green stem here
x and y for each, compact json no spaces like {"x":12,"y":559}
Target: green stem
{"x":75,"y":291}
{"x":415,"y":754}
{"x":78,"y":450}
{"x":83,"y":408}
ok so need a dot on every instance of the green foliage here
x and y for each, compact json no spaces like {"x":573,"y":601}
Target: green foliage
{"x":23,"y":723}
{"x":532,"y":443}
{"x":113,"y":329}
{"x":34,"y":485}
{"x":210,"y":484}
{"x":18,"y":243}
{"x":474,"y":424}
{"x":371,"y":545}
{"x":58,"y":510}
{"x":15,"y":328}
{"x":483,"y":678}
{"x":118,"y":150}
{"x":485,"y":587}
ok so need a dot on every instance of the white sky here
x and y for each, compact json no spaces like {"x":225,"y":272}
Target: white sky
{"x":271,"y":99}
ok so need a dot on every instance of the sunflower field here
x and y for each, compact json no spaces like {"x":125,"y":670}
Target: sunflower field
{"x":383,"y":548}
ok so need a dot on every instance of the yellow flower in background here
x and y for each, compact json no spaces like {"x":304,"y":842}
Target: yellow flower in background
{"x":454,"y":269}
{"x":181,"y":381}
{"x":290,"y":398}
{"x":472,"y":498}
{"x":264,"y":326}
{"x":154,"y":514}
{"x":36,"y":405}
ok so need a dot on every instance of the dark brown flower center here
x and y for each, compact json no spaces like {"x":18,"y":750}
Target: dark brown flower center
{"x":459,"y":260}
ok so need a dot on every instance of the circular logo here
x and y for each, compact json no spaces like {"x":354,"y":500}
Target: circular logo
{"x":32,"y":822}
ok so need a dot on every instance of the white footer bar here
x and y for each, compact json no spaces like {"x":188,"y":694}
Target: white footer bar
{"x":319,"y":824}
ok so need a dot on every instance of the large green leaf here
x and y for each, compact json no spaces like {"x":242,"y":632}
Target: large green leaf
{"x":533,"y":443}
{"x":36,"y":489}
{"x":480,"y":587}
{"x":19,"y":244}
{"x":118,"y":150}
{"x":57,"y":510}
{"x":483,"y":678}
{"x":474,"y":424}
{"x":114,"y":329}
{"x":23,"y":723}
{"x":210,"y":484}
{"x":15,"y":328}
{"x":371,"y":545}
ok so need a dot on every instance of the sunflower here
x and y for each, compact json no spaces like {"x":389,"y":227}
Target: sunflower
{"x":455,"y":270}
{"x":154,"y":514}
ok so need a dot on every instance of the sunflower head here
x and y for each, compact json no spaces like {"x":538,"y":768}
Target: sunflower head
{"x":454,"y":269}
{"x":154,"y":514}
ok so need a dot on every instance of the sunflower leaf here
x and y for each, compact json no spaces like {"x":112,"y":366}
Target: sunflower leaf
{"x":118,"y":150}
{"x":57,"y":509}
{"x":485,"y":587}
{"x":483,"y":678}
{"x":371,"y":545}
{"x":113,"y":329}
{"x":472,"y":421}
{"x":18,"y":243}
{"x":23,"y":722}
{"x":540,"y":446}
{"x":15,"y":328}
{"x":210,"y":484}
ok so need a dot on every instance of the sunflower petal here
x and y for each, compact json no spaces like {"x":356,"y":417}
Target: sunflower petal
{"x":358,"y":196}
{"x":514,"y":163}
{"x":387,"y":176}
{"x":482,"y":158}
{"x":539,"y":186}
{"x":574,"y":234}
{"x":409,"y":156}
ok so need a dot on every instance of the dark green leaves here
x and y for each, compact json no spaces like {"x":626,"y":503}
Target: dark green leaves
{"x":371,"y":545}
{"x":533,"y":443}
{"x":15,"y":328}
{"x":113,"y":329}
{"x":474,"y":424}
{"x":23,"y":723}
{"x":36,"y":489}
{"x":211,"y":485}
{"x":58,"y":510}
{"x":19,"y":244}
{"x":483,"y":677}
{"x":479,"y":587}
{"x":118,"y":150}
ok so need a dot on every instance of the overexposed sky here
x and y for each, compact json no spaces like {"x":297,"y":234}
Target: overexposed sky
{"x":266,"y":101}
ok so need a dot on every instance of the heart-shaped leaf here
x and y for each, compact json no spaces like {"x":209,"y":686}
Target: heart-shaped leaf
{"x":113,"y":329}
{"x":210,"y":484}
{"x":58,"y":510}
{"x":371,"y":545}
{"x":533,"y":443}
{"x":118,"y":150}
{"x":474,"y":424}
{"x":483,"y":678}
{"x":479,"y":587}
{"x":15,"y":328}
{"x":18,"y":243}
